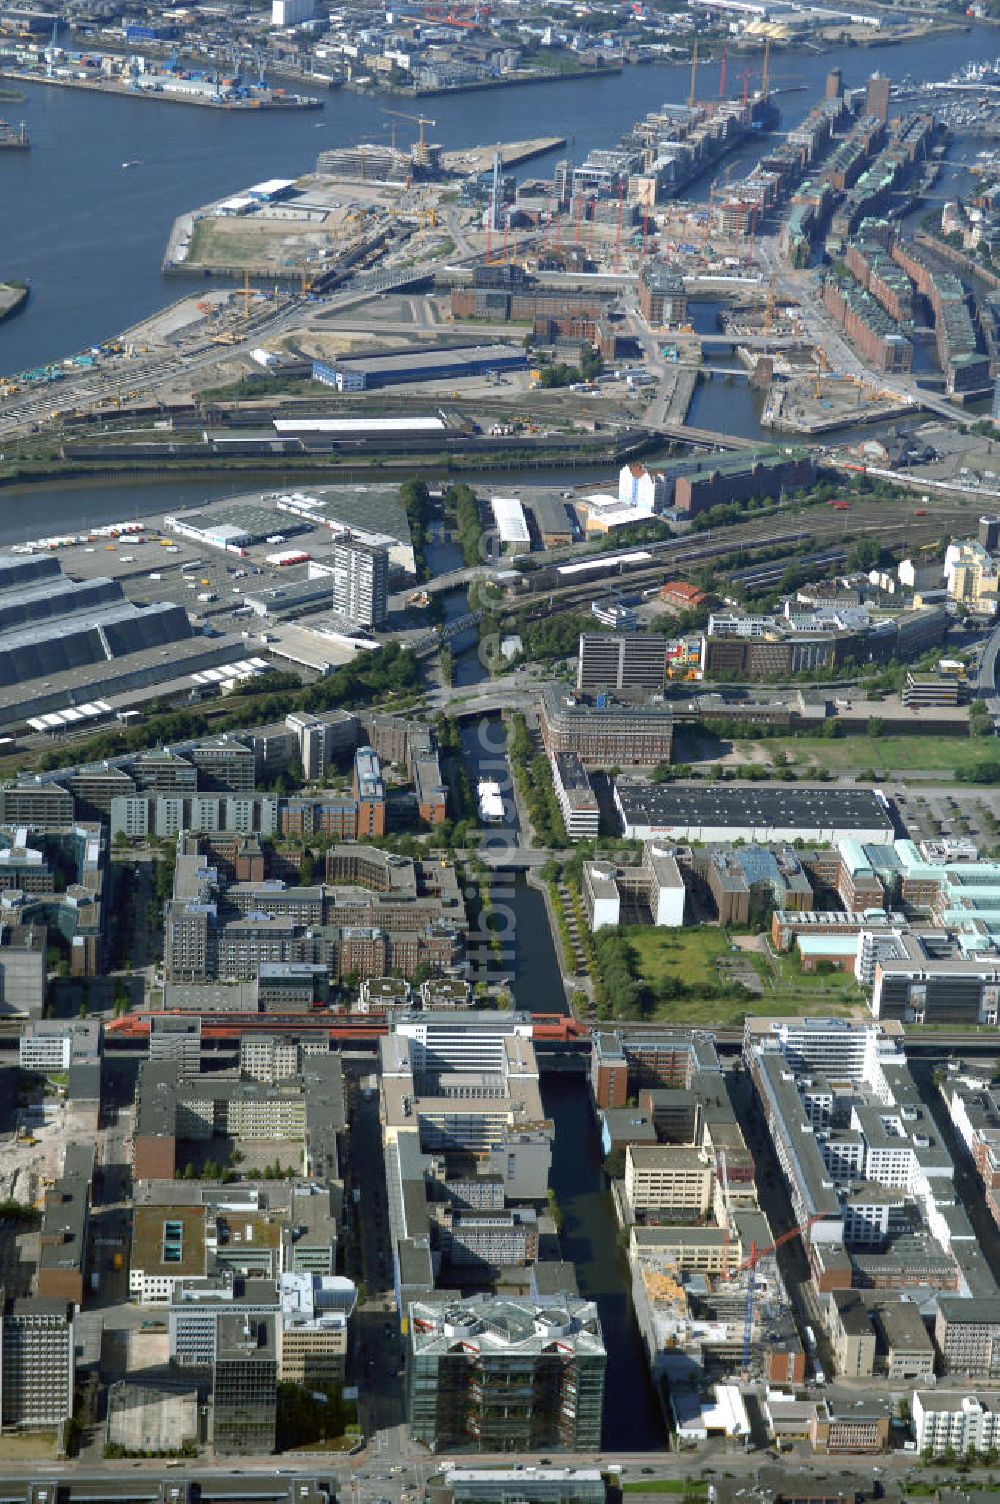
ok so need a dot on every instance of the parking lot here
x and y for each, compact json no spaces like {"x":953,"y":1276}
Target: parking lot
{"x":951,"y":814}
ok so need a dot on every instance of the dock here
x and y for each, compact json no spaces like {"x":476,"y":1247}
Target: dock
{"x":473,"y":160}
{"x":271,"y":102}
{"x":13,"y":296}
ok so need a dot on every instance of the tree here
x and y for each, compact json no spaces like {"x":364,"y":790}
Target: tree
{"x":866,"y":553}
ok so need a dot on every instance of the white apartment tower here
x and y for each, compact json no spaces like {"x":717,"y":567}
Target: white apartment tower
{"x":361,"y":581}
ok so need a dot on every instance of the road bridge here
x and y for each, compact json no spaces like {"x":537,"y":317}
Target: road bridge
{"x":705,"y":438}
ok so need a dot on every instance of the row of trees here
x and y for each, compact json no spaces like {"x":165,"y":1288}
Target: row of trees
{"x":461,"y":506}
{"x":534,"y":780}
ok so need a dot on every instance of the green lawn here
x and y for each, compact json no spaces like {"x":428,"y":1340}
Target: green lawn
{"x":847,"y":754}
{"x":688,"y":1486}
{"x":692,"y":956}
{"x":689,"y":955}
{"x":22,"y":1446}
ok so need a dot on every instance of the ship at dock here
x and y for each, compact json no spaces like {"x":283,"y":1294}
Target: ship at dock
{"x":490,"y":802}
{"x":14,"y":137}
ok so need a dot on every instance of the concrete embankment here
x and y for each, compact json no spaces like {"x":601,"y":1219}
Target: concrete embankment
{"x":13,"y":296}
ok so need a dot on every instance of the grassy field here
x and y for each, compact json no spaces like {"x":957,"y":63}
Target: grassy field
{"x":693,"y":957}
{"x":687,"y":955}
{"x":24,"y":1446}
{"x":848,"y":754}
{"x":692,"y":1487}
{"x":240,"y":242}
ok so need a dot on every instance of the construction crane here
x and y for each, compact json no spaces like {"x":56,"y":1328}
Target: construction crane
{"x":420,"y":120}
{"x":769,"y":307}
{"x":767,"y":69}
{"x":694,"y":75}
{"x":749,"y":1266}
{"x":727,"y":1223}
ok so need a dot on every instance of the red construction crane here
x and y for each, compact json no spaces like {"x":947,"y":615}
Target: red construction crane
{"x":756,"y":1254}
{"x":750,"y":1264}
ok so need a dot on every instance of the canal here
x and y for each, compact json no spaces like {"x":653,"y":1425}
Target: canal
{"x":589,"y":1235}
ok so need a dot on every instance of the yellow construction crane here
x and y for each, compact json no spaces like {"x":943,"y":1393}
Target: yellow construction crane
{"x":246,"y":294}
{"x":420,"y":120}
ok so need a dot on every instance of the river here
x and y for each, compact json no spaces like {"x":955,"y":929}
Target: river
{"x":90,"y":237}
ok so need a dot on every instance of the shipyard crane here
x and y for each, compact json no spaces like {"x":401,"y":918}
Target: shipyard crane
{"x":749,"y":1266}
{"x":420,"y":120}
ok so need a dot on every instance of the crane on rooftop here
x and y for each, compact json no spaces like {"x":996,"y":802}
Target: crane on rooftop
{"x":420,"y":120}
{"x":749,"y":1265}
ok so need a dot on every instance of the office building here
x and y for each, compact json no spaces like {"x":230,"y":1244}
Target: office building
{"x":533,"y":1485}
{"x":312,"y":1331}
{"x":361,"y":581}
{"x":652,"y":892}
{"x":622,"y":661}
{"x":748,"y":881}
{"x":604,"y":732}
{"x":197,"y":1305}
{"x":623,"y":1062}
{"x":575,"y":793}
{"x":36,"y":1363}
{"x":306,"y":1108}
{"x":494,"y":1375}
{"x":55,"y":1044}
{"x":369,"y":794}
{"x":245,"y":1386}
{"x":877,"y":96}
{"x":668,"y":1178}
{"x":662,"y":297}
{"x":23,"y":966}
{"x":175,"y":1037}
{"x":967,"y":1335}
{"x":466,"y":1109}
{"x":63,"y":1242}
{"x":291,"y":12}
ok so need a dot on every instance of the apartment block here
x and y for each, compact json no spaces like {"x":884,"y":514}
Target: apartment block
{"x":955,"y":1421}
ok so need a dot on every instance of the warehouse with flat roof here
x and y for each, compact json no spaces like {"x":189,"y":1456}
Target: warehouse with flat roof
{"x":690,"y":812}
{"x":511,"y":524}
{"x":444,"y":363}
